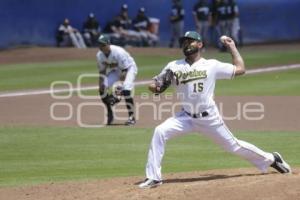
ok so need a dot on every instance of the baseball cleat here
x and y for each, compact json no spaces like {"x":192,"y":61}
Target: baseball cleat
{"x":280,"y":165}
{"x":130,"y":121}
{"x":150,"y":183}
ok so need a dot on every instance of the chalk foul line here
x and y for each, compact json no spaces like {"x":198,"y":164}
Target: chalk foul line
{"x":137,"y":83}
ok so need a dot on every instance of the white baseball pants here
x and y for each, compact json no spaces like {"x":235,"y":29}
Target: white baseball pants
{"x":114,"y":76}
{"x":211,"y":126}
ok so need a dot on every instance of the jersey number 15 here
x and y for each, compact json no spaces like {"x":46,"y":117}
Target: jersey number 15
{"x":198,"y":87}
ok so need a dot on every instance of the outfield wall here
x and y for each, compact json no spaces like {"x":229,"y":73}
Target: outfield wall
{"x":33,"y":22}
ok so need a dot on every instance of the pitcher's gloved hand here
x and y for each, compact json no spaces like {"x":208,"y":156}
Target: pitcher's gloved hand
{"x":162,"y":82}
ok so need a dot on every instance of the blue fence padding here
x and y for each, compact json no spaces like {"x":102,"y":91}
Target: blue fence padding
{"x":34,"y":22}
{"x":270,"y":20}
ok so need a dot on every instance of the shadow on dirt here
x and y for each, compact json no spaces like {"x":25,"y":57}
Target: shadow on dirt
{"x":209,"y":177}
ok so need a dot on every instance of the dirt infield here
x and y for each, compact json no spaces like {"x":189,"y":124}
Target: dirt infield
{"x":236,"y":184}
{"x":246,"y":184}
{"x":240,"y":113}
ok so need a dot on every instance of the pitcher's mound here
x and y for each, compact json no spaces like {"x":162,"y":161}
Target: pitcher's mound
{"x":245,"y":184}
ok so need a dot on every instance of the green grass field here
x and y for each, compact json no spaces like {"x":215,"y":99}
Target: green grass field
{"x":266,"y":84}
{"x":41,"y":75}
{"x":43,"y":154}
{"x":31,"y":155}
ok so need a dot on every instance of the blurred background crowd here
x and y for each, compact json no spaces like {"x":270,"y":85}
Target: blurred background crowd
{"x":211,"y":18}
{"x":67,"y":23}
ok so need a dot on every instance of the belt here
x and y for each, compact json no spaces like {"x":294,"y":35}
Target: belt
{"x":198,"y":115}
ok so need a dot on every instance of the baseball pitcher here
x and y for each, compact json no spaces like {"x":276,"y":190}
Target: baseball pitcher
{"x":114,"y":64}
{"x":194,"y":78}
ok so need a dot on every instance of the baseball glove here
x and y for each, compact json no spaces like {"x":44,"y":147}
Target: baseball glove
{"x":162,"y":82}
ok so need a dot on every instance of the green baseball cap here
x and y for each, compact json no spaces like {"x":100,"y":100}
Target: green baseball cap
{"x":104,"y":40}
{"x":191,"y":35}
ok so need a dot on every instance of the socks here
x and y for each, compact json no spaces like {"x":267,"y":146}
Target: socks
{"x":129,"y":102}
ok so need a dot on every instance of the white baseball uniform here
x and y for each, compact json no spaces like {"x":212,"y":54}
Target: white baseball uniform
{"x":117,"y":61}
{"x":195,"y":86}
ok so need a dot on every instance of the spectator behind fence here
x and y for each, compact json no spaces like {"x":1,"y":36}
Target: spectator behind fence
{"x":131,"y":37}
{"x":177,"y":23}
{"x":113,"y":30}
{"x":67,"y":35}
{"x":234,"y":22}
{"x":220,"y":18}
{"x":141,"y":23}
{"x":91,"y":30}
{"x":125,"y":19}
{"x":119,"y":30}
{"x":202,"y":15}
